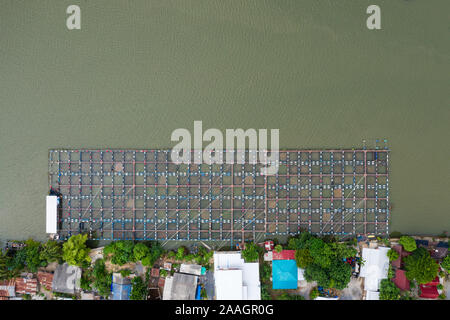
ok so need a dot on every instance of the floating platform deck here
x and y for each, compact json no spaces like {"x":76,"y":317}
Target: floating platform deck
{"x":142,"y":195}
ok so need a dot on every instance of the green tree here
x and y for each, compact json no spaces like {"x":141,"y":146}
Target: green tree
{"x":251,"y":252}
{"x":388,"y":290}
{"x":340,"y":274}
{"x":121,"y":251}
{"x":33,"y":260}
{"x":446,"y":264}
{"x":299,"y":242}
{"x":139,"y":289}
{"x":314,"y":272}
{"x":420,"y":266}
{"x":392,"y":255}
{"x":140,"y":251}
{"x":75,"y":251}
{"x":102,"y":278}
{"x":4,"y":272}
{"x":408,"y":243}
{"x":156,"y":251}
{"x":303,"y":258}
{"x":321,"y":252}
{"x":51,"y":251}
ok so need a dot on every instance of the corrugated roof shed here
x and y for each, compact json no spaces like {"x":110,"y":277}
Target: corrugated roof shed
{"x":121,"y":291}
{"x":66,"y":278}
{"x":8,"y":288}
{"x":26,"y":286}
{"x":191,"y":269}
{"x":429,"y":292}
{"x":183,"y":287}
{"x":45,"y":280}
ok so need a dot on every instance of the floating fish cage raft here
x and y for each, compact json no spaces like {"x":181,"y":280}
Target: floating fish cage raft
{"x":143,"y":195}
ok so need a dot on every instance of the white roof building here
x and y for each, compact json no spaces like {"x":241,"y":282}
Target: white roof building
{"x":372,"y":295}
{"x":234,"y":278}
{"x":52,"y":214}
{"x":375,"y":267}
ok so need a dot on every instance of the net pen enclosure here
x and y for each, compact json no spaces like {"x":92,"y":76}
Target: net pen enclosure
{"x":142,"y":195}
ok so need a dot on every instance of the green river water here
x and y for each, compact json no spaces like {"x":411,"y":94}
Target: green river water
{"x":137,"y":70}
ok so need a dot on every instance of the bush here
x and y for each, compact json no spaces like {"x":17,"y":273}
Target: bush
{"x":265,"y":272}
{"x":86,"y":280}
{"x":440,"y":286}
{"x":287,"y":296}
{"x":180,"y":253}
{"x":314,"y":293}
{"x":75,"y":251}
{"x":442,"y":296}
{"x":125,"y":272}
{"x":138,"y":289}
{"x":395,"y":234}
{"x":408,"y":243}
{"x":102,"y":278}
{"x":265,"y":295}
{"x":163,"y":273}
{"x":446,"y":264}
{"x":278,"y":248}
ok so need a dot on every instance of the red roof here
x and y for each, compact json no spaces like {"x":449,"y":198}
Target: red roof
{"x":26,"y":286}
{"x":435,"y":282}
{"x":45,"y":280}
{"x":429,"y":292}
{"x":284,"y":255}
{"x":401,"y":281}
{"x":4,"y":294}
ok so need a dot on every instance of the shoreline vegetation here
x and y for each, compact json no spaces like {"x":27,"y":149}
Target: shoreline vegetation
{"x":328,"y":264}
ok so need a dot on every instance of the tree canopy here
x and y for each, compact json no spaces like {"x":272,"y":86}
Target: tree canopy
{"x":303,"y":258}
{"x":75,"y":251}
{"x":121,"y":251}
{"x":323,"y":262}
{"x":446,"y":264}
{"x":408,"y":243}
{"x":102,"y":278}
{"x":420,"y":266}
{"x":388,"y":290}
{"x":51,"y":251}
{"x":251,"y":252}
{"x":139,"y":289}
{"x":392,"y":255}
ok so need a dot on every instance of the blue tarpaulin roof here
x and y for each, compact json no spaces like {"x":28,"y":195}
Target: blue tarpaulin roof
{"x":121,"y":291}
{"x":284,"y":274}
